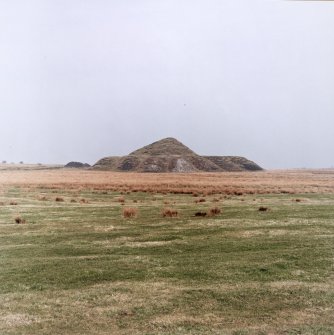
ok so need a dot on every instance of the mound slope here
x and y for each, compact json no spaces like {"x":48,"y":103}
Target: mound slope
{"x":170,"y":155}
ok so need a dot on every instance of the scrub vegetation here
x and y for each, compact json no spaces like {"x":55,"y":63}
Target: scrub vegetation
{"x":105,"y":266}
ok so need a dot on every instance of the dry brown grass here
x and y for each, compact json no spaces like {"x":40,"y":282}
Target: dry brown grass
{"x":121,"y":200}
{"x":204,"y":184}
{"x":214,"y":211}
{"x":170,"y":213}
{"x":130,"y":212}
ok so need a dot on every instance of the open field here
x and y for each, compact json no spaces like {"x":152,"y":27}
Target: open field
{"x":71,"y":263}
{"x":263,"y":182}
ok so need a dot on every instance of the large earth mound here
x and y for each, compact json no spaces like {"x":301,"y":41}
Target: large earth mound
{"x":170,"y":155}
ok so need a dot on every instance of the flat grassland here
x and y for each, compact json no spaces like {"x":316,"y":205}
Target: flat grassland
{"x":72,"y":262}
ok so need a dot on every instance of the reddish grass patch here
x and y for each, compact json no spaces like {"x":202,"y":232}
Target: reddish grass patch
{"x":130,"y":212}
{"x":169,"y":212}
{"x":121,"y":200}
{"x":214,"y":211}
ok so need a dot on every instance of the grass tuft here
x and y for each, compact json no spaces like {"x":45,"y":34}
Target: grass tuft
{"x":130,"y":212}
{"x":214,"y":211}
{"x":170,"y":213}
{"x":19,"y":220}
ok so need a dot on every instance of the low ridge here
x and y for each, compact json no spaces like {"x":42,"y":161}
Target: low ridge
{"x":170,"y":155}
{"x":77,"y":165}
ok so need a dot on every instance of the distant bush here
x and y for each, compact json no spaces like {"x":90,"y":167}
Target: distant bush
{"x":201,"y":214}
{"x":214,"y":211}
{"x":263,"y":209}
{"x":13,"y":203}
{"x":59,"y":199}
{"x":19,"y":220}
{"x":130,"y":212}
{"x":121,"y":200}
{"x":171,"y":213}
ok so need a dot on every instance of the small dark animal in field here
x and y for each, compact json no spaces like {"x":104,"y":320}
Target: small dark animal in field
{"x":59,"y":199}
{"x":263,"y":209}
{"x":13,"y":203}
{"x":201,"y":214}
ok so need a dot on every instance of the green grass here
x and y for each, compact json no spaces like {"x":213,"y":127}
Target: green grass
{"x":83,"y":269}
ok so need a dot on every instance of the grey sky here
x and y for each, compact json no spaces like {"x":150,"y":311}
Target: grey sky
{"x":84,"y":79}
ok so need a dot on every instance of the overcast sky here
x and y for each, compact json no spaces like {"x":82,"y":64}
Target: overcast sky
{"x":84,"y":79}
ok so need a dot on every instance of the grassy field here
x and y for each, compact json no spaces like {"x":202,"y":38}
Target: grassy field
{"x":77,"y":266}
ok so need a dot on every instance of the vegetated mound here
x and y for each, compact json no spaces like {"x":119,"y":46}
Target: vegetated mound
{"x":170,"y":155}
{"x":77,"y":165}
{"x":166,"y":146}
{"x":234,"y":163}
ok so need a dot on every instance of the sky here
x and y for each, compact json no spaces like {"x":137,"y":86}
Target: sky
{"x":85,"y":79}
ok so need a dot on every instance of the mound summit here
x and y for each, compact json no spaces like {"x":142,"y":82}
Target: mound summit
{"x":170,"y":155}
